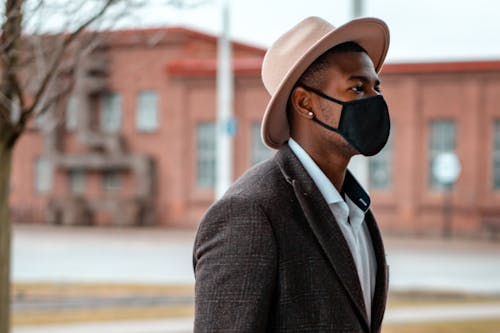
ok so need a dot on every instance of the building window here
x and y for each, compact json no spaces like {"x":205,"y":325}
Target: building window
{"x":496,"y":156}
{"x":110,"y":112}
{"x":41,"y":120}
{"x":442,"y":140}
{"x":147,"y":111}
{"x":206,"y":155}
{"x":380,"y":166}
{"x":111,"y":181}
{"x":77,"y":181}
{"x":72,"y":109}
{"x":43,"y":175}
{"x":15,"y":108}
{"x":259,"y":151}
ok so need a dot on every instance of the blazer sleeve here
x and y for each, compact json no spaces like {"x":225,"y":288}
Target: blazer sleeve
{"x":235,"y":265}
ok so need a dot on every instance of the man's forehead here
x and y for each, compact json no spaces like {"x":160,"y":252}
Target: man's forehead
{"x":352,"y":65}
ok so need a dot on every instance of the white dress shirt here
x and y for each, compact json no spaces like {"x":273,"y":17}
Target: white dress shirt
{"x":350,"y":218}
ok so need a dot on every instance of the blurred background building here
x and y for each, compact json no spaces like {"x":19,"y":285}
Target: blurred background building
{"x":135,"y":142}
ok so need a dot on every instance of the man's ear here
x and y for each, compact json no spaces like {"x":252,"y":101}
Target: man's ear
{"x":302,"y":102}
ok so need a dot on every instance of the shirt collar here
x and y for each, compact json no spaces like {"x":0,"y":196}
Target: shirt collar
{"x":351,"y":186}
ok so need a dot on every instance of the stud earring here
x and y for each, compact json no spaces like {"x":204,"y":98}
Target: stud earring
{"x":310,"y":114}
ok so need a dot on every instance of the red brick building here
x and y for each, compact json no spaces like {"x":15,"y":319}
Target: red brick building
{"x":137,"y":142}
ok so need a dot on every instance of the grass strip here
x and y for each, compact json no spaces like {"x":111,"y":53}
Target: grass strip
{"x":472,"y":326}
{"x":429,"y":298}
{"x":103,"y":289}
{"x":95,"y":315}
{"x":62,"y":290}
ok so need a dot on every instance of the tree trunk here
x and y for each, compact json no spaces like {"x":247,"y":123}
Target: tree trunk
{"x":5,"y":236}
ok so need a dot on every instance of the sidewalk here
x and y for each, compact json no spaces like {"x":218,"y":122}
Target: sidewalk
{"x":163,"y":256}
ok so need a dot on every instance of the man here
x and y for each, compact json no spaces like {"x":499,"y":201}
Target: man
{"x":292,"y":246}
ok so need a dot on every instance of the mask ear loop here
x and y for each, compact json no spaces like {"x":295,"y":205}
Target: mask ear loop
{"x":321,"y":94}
{"x":328,"y":127}
{"x":325,"y":96}
{"x":336,"y":130}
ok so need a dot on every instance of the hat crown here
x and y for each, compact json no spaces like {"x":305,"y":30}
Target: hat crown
{"x":290,"y":48}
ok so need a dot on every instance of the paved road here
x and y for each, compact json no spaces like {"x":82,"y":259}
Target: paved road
{"x":184,"y":325}
{"x":458,"y":312}
{"x":62,"y":254}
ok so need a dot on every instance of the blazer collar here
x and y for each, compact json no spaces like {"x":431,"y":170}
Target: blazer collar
{"x":330,"y":236}
{"x":351,"y":187}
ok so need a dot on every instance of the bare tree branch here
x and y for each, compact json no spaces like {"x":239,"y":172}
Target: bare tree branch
{"x":31,"y":13}
{"x":57,"y":59}
{"x":10,"y":41}
{"x":67,"y":70}
{"x":10,"y":33}
{"x":182,"y":4}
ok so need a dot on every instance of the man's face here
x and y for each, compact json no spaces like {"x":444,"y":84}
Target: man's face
{"x":350,"y":76}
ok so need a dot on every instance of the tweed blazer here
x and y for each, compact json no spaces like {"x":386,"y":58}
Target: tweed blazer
{"x":270,"y":257}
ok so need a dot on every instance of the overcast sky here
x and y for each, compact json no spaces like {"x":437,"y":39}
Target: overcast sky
{"x":421,"y":30}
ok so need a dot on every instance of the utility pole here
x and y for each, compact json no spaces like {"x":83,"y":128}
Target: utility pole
{"x":357,"y":8}
{"x":225,"y":124}
{"x":359,"y":163}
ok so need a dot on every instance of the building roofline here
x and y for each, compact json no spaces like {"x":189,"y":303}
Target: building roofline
{"x":248,"y":66}
{"x":441,"y":67}
{"x":252,"y":66}
{"x":188,"y":31}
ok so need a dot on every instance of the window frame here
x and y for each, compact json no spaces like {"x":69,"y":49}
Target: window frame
{"x":115,"y":99}
{"x":112,"y":176}
{"x":495,"y":174}
{"x":386,"y":158}
{"x":80,"y":186}
{"x":141,"y":125}
{"x":259,"y":152}
{"x":71,"y":114}
{"x":43,"y":169}
{"x":440,"y":146}
{"x":208,"y":155}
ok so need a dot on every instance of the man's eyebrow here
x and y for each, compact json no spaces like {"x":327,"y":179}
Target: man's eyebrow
{"x":363,"y":78}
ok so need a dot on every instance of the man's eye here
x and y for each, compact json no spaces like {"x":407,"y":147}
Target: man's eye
{"x":357,"y":89}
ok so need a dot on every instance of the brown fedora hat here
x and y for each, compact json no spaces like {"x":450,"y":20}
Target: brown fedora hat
{"x":294,"y":51}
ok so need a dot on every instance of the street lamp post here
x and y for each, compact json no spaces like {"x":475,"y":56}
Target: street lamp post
{"x":225,"y":124}
{"x":357,"y":8}
{"x":446,"y":169}
{"x":359,"y":163}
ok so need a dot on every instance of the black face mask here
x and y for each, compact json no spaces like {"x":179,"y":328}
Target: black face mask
{"x":364,"y":123}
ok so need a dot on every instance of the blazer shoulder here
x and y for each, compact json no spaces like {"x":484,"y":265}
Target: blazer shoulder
{"x":261,"y":182}
{"x":242,"y":211}
{"x":252,"y":197}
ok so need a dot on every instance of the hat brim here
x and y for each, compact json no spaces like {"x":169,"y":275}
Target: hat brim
{"x":370,"y":33}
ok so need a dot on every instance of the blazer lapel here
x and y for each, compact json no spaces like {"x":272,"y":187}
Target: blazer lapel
{"x":382,"y":279}
{"x":324,"y":227}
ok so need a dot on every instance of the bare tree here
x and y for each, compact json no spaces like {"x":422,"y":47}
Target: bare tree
{"x":37,"y":69}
